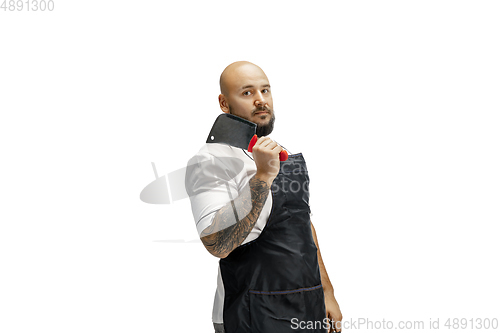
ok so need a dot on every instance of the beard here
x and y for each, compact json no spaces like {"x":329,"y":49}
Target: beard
{"x":265,"y":130}
{"x":262,"y":130}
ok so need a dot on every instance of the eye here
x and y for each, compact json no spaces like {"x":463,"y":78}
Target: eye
{"x":265,"y":90}
{"x":245,"y":93}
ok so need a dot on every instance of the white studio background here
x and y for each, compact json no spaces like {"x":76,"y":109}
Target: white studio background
{"x":395,"y":105}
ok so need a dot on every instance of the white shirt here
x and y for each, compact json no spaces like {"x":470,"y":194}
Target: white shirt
{"x":207,"y":173}
{"x":206,"y":178}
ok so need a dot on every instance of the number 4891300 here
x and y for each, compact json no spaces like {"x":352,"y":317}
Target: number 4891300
{"x":27,"y":5}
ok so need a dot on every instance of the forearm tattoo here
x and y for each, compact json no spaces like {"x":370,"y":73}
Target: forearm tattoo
{"x":234,"y":221}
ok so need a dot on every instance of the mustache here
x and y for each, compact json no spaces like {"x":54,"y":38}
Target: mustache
{"x":261,"y":109}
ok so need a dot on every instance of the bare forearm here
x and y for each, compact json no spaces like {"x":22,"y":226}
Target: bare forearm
{"x":233,"y":222}
{"x":325,"y":280}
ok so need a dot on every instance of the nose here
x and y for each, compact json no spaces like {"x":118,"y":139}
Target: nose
{"x":260,"y":101}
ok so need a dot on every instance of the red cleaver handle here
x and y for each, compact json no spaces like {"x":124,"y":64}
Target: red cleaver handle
{"x":283,"y":153}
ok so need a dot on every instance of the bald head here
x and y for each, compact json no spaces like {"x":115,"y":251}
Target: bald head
{"x":231,"y":73}
{"x":246,"y":93}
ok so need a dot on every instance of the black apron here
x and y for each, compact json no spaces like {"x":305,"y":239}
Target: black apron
{"x":273,"y":283}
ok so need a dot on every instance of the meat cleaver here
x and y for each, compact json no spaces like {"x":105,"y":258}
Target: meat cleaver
{"x":237,"y":132}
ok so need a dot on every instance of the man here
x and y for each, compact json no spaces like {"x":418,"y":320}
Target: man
{"x":248,"y":214}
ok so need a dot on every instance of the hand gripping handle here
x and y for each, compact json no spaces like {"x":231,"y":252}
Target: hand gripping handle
{"x":283,"y":153}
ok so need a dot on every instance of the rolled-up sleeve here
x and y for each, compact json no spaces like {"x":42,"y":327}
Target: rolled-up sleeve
{"x":210,"y":183}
